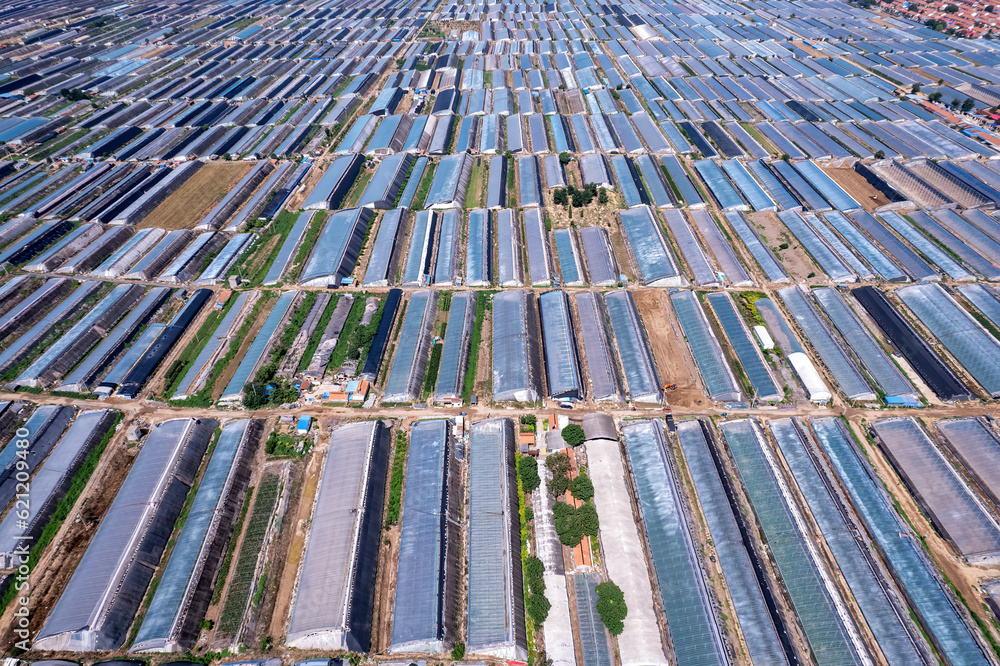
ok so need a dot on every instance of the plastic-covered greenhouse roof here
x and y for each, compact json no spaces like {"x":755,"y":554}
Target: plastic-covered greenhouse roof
{"x":455,"y":353}
{"x":162,"y":625}
{"x":752,"y":614}
{"x":823,"y":626}
{"x":654,"y":258}
{"x":446,"y":263}
{"x":633,"y":347}
{"x":515,"y":347}
{"x":567,"y":250}
{"x":426,"y":572}
{"x":900,"y":547}
{"x":925,"y":246}
{"x":603,"y":267}
{"x":334,"y":593}
{"x":450,"y":182}
{"x":337,"y":247}
{"x":601,"y":362}
{"x":887,"y":627}
{"x":977,"y":448}
{"x":255,"y":353}
{"x":690,"y":248}
{"x":536,"y":239}
{"x":407,"y":374}
{"x":495,"y":604}
{"x":561,"y":362}
{"x":940,"y":489}
{"x":418,"y":257}
{"x":98,"y":604}
{"x":392,"y":227}
{"x":479,"y":252}
{"x":747,"y":350}
{"x":387,"y":182}
{"x":509,"y":249}
{"x":712,"y":366}
{"x":628,"y":181}
{"x":686,"y":602}
{"x":527,"y":170}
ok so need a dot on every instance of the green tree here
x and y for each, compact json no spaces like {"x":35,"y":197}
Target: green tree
{"x":527,"y":469}
{"x":879,"y":154}
{"x":529,"y":419}
{"x":968,"y":105}
{"x":559,"y":197}
{"x":582,"y":488}
{"x":573,"y":435}
{"x":537,"y":607}
{"x":565,"y":158}
{"x":458,"y":652}
{"x":558,"y":485}
{"x":602,"y":197}
{"x":589,"y":522}
{"x":915,"y":88}
{"x":934,"y":96}
{"x":558,"y":464}
{"x":611,"y":607}
{"x":568,"y":526}
{"x":951,"y":9}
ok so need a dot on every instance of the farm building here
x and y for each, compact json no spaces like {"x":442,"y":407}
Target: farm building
{"x":335,"y":589}
{"x":450,"y":182}
{"x":178,"y":606}
{"x":99,"y":603}
{"x":410,"y":361}
{"x":53,"y":478}
{"x":495,"y":603}
{"x":331,"y":189}
{"x":516,"y":369}
{"x":427,"y":572}
{"x":387,"y":182}
{"x":337,"y":248}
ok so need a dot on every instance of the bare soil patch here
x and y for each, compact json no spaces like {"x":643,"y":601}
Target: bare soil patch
{"x":797,"y":263}
{"x":859,"y":188}
{"x":669,"y":350}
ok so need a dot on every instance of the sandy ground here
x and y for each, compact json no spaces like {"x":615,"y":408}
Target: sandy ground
{"x":669,"y":350}
{"x":859,"y":188}
{"x":797,"y":263}
{"x":197,"y":196}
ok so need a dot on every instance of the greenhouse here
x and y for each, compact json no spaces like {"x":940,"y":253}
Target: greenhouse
{"x":384,"y":258}
{"x":746,"y":349}
{"x":284,"y":257}
{"x":201,"y":368}
{"x":446,"y":263}
{"x":568,"y":253}
{"x":516,"y":370}
{"x":760,"y":251}
{"x":594,"y":171}
{"x":495,"y":602}
{"x":126,"y":548}
{"x":427,"y":572}
{"x":387,"y":182}
{"x":479,"y":252}
{"x":455,"y":352}
{"x":406,"y":378}
{"x":179,"y":603}
{"x":337,"y":248}
{"x":817,"y":248}
{"x":255,"y":354}
{"x":902,"y":550}
{"x":725,"y":194}
{"x":958,"y":331}
{"x":789,"y":548}
{"x":694,"y":631}
{"x":641,"y":377}
{"x":678,"y":177}
{"x":753,"y":601}
{"x":652,"y":177}
{"x":559,"y":344}
{"x":335,"y":589}
{"x":729,"y":263}
{"x":716,"y":375}
{"x":975,"y":445}
{"x":653,"y":256}
{"x":418,"y":257}
{"x":914,"y":266}
{"x":529,"y":181}
{"x":510,"y":254}
{"x":605,"y":378}
{"x":926,"y":246}
{"x":698,"y":263}
{"x":949,"y":504}
{"x":629,"y":182}
{"x":335,"y":183}
{"x":536,"y":239}
{"x":496,"y":190}
{"x":450,"y":182}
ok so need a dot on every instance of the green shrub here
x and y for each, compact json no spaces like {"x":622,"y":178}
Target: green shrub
{"x":582,"y":488}
{"x":611,"y":607}
{"x":573,"y":435}
{"x":527,"y":469}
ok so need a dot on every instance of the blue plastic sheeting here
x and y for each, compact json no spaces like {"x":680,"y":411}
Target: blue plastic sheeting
{"x":725,"y":194}
{"x":886,"y":624}
{"x":466,"y":134}
{"x":850,"y":378}
{"x":418,"y":258}
{"x":253,"y":356}
{"x":747,"y":351}
{"x":824,"y":629}
{"x":568,"y":253}
{"x":755,"y":620}
{"x":561,"y":363}
{"x":163,"y":624}
{"x":292,"y":241}
{"x":880,"y":367}
{"x":455,"y":353}
{"x":918,"y":577}
{"x":750,"y":188}
{"x":765,"y":258}
{"x":693,"y":627}
{"x":531,"y":190}
{"x":907,"y":259}
{"x":641,"y":377}
{"x":446,"y":265}
{"x":380,"y":263}
{"x":657,"y":266}
{"x":831,"y":264}
{"x":479,"y":253}
{"x":690,"y":248}
{"x":406,"y":377}
{"x":515,"y":347}
{"x":717,"y":376}
{"x":943,"y":494}
{"x":955,"y":328}
{"x":426,"y":572}
{"x":925,"y":246}
{"x":337,"y":247}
